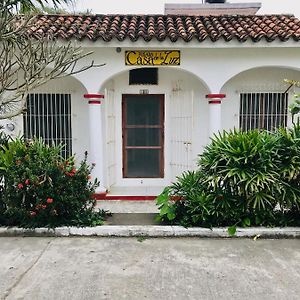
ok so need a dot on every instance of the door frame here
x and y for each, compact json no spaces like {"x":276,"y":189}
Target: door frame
{"x":161,"y":137}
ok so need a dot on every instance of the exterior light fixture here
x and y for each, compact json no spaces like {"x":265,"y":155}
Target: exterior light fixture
{"x":10,"y":126}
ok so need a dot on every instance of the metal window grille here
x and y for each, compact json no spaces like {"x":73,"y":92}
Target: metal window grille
{"x":263,"y":110}
{"x":48,"y":116}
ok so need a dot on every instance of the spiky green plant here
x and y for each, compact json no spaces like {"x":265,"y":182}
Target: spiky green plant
{"x":243,"y":164}
{"x":244,"y":178}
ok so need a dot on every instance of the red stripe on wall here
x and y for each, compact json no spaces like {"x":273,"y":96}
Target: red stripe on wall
{"x":215,"y":96}
{"x":93,"y":96}
{"x":94,"y":102}
{"x":215,"y":102}
{"x":124,"y":198}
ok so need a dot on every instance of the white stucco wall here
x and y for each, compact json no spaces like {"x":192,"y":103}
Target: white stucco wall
{"x":170,"y":80}
{"x":214,"y":66}
{"x":260,"y":80}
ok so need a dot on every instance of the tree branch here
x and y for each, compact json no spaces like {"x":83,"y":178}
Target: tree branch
{"x":27,"y":63}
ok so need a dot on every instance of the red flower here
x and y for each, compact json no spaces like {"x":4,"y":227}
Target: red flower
{"x":69,"y":174}
{"x":44,"y":206}
{"x":49,"y":200}
{"x":89,"y":177}
{"x":20,"y":186}
{"x":27,"y":181}
{"x":33,"y":213}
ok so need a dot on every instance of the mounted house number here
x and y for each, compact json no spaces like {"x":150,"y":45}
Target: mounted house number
{"x":152,"y":58}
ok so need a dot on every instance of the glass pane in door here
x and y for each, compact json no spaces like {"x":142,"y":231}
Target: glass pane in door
{"x":143,"y":137}
{"x":143,"y":163}
{"x":143,"y":110}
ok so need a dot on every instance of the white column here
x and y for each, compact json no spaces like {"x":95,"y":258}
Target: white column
{"x":96,"y":138}
{"x":215,"y":117}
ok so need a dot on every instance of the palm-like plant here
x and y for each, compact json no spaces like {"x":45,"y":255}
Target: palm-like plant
{"x":25,"y":6}
{"x":243,"y":164}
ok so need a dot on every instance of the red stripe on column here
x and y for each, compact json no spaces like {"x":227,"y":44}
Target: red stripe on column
{"x":215,"y":96}
{"x":214,"y":102}
{"x":94,"y":102}
{"x":93,"y":96}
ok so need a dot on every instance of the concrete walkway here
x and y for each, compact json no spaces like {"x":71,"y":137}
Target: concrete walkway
{"x":135,"y":269}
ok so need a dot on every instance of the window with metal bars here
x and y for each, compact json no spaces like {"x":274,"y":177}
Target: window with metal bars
{"x":48,"y":116}
{"x":263,"y":110}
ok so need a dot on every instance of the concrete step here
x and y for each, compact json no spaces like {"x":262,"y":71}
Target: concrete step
{"x":132,"y":219}
{"x":123,"y":206}
{"x":136,"y":190}
{"x":130,"y":212}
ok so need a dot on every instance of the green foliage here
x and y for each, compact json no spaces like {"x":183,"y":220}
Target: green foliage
{"x":244,"y":179}
{"x":4,"y":140}
{"x":244,"y":165}
{"x":141,"y":239}
{"x":40,"y":188}
{"x":288,"y":151}
{"x":232,"y":230}
{"x":294,"y":107}
{"x":190,"y":202}
{"x":25,"y":6}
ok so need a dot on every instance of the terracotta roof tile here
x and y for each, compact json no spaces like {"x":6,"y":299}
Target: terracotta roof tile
{"x":169,"y":27}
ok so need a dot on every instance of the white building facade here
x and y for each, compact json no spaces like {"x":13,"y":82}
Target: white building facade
{"x":142,"y":129}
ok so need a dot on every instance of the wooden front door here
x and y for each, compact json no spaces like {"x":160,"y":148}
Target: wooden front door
{"x":143,"y":136}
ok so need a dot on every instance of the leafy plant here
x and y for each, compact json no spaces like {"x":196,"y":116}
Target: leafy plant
{"x":43,"y":189}
{"x":4,"y":140}
{"x":244,"y":165}
{"x":173,"y":201}
{"x":244,"y":179}
{"x":288,"y":150}
{"x":294,"y":107}
{"x":189,"y":202}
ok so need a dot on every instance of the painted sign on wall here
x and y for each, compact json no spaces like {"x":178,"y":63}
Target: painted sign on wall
{"x":152,"y":58}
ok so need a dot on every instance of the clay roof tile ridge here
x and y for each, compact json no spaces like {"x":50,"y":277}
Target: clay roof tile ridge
{"x":172,"y":27}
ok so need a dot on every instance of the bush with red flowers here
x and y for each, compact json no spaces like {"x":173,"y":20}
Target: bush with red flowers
{"x":4,"y":140}
{"x":41,"y":188}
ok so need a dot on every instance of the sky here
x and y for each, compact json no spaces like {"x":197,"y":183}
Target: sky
{"x":157,"y":6}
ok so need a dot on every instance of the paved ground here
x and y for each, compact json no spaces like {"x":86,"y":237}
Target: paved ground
{"x":123,"y":206}
{"x":128,"y":268}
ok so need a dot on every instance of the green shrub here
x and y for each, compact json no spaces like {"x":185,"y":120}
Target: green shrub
{"x":190,"y":202}
{"x":4,"y":140}
{"x":176,"y":200}
{"x":244,"y":165}
{"x":288,"y":151}
{"x":244,"y":178}
{"x":43,"y":189}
